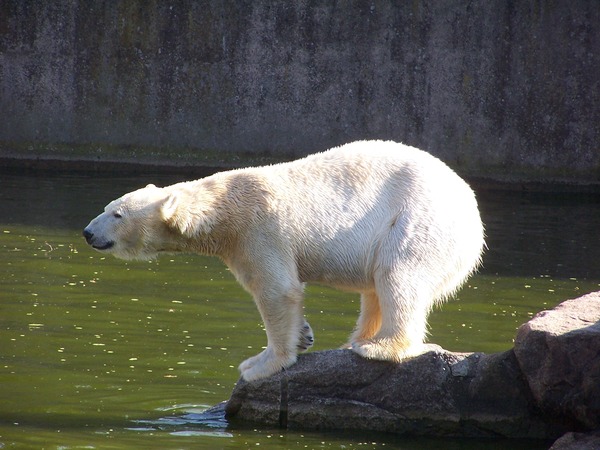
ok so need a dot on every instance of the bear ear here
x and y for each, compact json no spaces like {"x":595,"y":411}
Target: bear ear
{"x":150,"y":186}
{"x":176,"y":213}
{"x":169,"y":207}
{"x":170,"y":213}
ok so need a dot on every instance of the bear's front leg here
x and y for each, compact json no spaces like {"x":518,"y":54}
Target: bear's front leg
{"x":287,"y":332}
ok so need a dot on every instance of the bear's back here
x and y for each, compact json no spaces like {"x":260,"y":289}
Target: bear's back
{"x":337,"y":206}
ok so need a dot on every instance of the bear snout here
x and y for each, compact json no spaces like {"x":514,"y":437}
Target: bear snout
{"x":88,"y":235}
{"x":96,"y":243}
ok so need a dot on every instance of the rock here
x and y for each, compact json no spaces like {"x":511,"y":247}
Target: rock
{"x":436,"y":394}
{"x":559,"y":354}
{"x":578,"y":441}
{"x":548,"y":385}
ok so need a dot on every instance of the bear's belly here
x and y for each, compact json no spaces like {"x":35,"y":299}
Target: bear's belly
{"x":345,"y":274}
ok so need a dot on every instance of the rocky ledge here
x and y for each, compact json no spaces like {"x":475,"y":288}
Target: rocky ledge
{"x":546,"y":386}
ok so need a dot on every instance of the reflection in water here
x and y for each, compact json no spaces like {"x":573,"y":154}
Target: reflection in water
{"x":207,"y":422}
{"x":542,"y":234}
{"x":95,"y":351}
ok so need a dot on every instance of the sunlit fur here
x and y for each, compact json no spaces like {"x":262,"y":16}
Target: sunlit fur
{"x":385,"y":220}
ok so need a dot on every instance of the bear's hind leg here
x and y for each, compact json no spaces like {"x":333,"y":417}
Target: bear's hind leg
{"x":395,"y":341}
{"x":404,"y":310}
{"x":369,"y":320}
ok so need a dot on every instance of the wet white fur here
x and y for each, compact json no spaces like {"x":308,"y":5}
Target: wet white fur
{"x":380,"y":218}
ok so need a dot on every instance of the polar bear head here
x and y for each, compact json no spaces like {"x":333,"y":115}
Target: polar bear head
{"x":146,"y":222}
{"x":128,"y":228}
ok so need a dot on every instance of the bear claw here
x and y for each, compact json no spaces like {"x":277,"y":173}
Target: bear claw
{"x":307,"y":338}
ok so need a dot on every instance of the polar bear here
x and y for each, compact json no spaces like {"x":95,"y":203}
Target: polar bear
{"x":380,"y":218}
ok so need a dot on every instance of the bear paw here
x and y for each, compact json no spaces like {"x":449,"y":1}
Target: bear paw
{"x":384,"y":350}
{"x":307,"y":338}
{"x":264,"y":365}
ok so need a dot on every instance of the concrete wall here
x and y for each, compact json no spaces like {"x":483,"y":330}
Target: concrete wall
{"x":497,"y":88}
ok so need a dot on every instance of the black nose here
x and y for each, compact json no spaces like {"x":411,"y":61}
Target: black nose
{"x":87,"y":234}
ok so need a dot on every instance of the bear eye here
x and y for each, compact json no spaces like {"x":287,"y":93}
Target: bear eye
{"x":117,"y":215}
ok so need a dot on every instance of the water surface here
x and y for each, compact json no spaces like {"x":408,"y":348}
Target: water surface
{"x":100,"y":353}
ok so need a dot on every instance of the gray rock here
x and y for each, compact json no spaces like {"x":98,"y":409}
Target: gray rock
{"x":559,"y":354}
{"x":547,"y":386}
{"x":437,"y":394}
{"x":578,"y":441}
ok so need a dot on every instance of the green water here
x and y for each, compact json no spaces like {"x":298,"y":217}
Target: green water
{"x":99,"y":353}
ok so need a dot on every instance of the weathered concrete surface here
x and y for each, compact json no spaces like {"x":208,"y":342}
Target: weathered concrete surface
{"x":547,"y":386}
{"x":496,"y":89}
